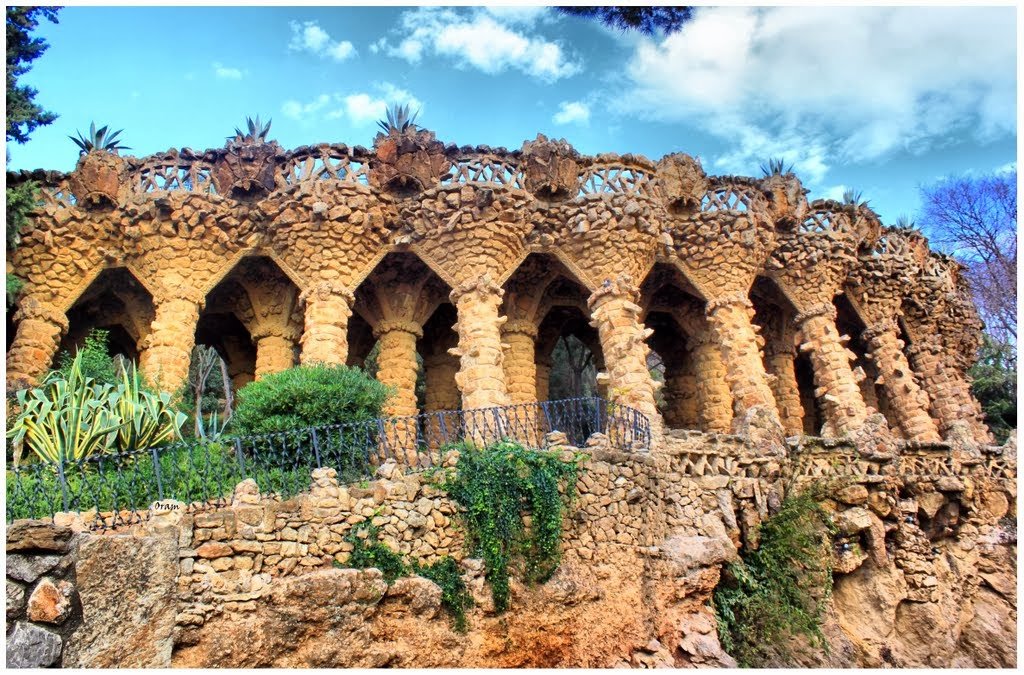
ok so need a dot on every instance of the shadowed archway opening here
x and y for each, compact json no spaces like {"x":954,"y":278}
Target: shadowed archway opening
{"x":849,"y":323}
{"x":117,"y":303}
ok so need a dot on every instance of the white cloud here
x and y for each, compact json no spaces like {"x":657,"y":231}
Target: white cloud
{"x":308,"y":36}
{"x":853,"y":83}
{"x":490,"y":40}
{"x":574,"y":111}
{"x":359,"y":108}
{"x":225,"y":73}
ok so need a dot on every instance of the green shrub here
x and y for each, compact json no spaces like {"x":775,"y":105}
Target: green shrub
{"x":308,"y":396}
{"x":94,"y":358}
{"x":146,"y":419}
{"x":369,"y":551}
{"x":496,"y":486}
{"x":778,"y":592}
{"x":455,"y":597}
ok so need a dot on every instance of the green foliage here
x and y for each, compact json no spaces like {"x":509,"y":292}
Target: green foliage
{"x":308,"y":396}
{"x":573,"y":373}
{"x":995,"y":386}
{"x":455,"y":597}
{"x":776,"y":166}
{"x":21,"y":201}
{"x":14,"y":286}
{"x":98,"y":140}
{"x":398,"y":120}
{"x":65,"y":419}
{"x":23,"y":113}
{"x":495,"y":486}
{"x":778,"y":592}
{"x":257,"y":131}
{"x":93,"y":358}
{"x":369,"y":551}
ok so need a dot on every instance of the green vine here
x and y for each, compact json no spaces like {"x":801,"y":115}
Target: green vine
{"x":496,"y":486}
{"x":779,"y":591}
{"x":369,"y":551}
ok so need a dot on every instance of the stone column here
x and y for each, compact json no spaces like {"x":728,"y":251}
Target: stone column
{"x":40,"y":328}
{"x":942,"y":384}
{"x":714,"y":401}
{"x":543,"y":375}
{"x":780,"y":355}
{"x":275,"y":352}
{"x":834,"y":381}
{"x":520,"y":364}
{"x":681,"y":398}
{"x":616,"y":316}
{"x":325,"y":339}
{"x":481,"y":377}
{"x":396,"y":365}
{"x":167,"y":350}
{"x":730,"y":320}
{"x":439,"y":374}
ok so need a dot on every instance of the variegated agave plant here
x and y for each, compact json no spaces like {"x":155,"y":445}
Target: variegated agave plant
{"x":398,"y":120}
{"x":98,"y":139}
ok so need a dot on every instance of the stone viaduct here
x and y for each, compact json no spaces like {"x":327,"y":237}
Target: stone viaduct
{"x":478,"y":259}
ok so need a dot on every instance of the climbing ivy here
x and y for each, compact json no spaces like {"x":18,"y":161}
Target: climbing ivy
{"x":369,"y":551}
{"x":496,"y":486}
{"x":778,"y":591}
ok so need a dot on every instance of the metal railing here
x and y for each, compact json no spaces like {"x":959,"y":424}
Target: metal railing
{"x":203,"y":474}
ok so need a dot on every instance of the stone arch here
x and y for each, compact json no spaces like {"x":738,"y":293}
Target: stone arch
{"x":116,"y":301}
{"x":252,"y":317}
{"x":395,"y":301}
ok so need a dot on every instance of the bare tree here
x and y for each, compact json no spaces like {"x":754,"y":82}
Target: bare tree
{"x":974,"y":219}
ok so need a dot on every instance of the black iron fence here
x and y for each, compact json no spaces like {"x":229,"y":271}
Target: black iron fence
{"x":113,"y":488}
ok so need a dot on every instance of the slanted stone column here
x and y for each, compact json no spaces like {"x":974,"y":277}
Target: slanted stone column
{"x":275,"y":351}
{"x":730,"y":320}
{"x":616,"y":316}
{"x":714,"y":401}
{"x":396,"y":365}
{"x":325,"y":339}
{"x":167,"y":350}
{"x":908,"y":403}
{"x":835,"y":383}
{"x":779,"y":356}
{"x":520,"y":365}
{"x":940,"y":381}
{"x":40,"y":328}
{"x":481,"y":377}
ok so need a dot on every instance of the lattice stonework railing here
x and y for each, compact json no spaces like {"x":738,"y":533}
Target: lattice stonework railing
{"x":822,"y":221}
{"x":485,"y":169}
{"x":322,"y":164}
{"x":57,"y":196}
{"x":189,"y":176}
{"x":614,"y":179}
{"x":725,"y":199}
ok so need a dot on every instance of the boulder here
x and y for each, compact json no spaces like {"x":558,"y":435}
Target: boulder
{"x":33,"y":535}
{"x":31,"y":646}
{"x":50,"y":602}
{"x":29,"y":568}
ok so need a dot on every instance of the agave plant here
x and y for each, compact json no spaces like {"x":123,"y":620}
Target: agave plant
{"x":903,"y":222}
{"x":853,"y":197}
{"x":776,"y":166}
{"x":398,"y":120}
{"x":146,"y":419}
{"x":257,"y":131}
{"x":98,"y":139}
{"x":66,"y":419}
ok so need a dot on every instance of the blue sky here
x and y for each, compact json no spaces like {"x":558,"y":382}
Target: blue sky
{"x":878,"y":99}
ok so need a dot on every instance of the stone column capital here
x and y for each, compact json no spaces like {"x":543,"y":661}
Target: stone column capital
{"x":390,"y":326}
{"x":521,"y":326}
{"x":824,"y":309}
{"x":483,"y":286}
{"x":30,"y":307}
{"x":740,"y":299}
{"x":620,"y":287}
{"x":878,"y":328}
{"x":325,"y":290}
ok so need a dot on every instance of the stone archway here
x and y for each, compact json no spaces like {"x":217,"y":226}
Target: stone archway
{"x":116,"y":302}
{"x":850,"y":325}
